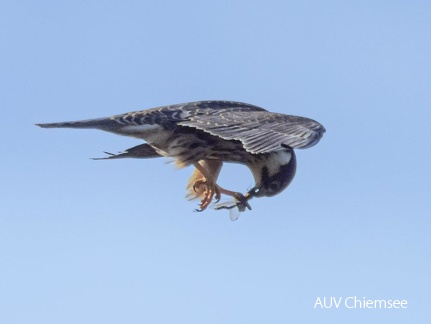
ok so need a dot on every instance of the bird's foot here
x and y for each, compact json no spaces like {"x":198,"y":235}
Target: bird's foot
{"x":208,"y":190}
{"x":240,"y":201}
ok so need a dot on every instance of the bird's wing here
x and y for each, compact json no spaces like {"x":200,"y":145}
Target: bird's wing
{"x":260,"y":131}
{"x":163,"y":116}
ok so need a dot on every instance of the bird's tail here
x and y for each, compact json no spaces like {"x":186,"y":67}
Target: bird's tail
{"x":142,"y":151}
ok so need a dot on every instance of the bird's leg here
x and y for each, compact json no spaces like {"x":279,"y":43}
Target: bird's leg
{"x":204,"y":182}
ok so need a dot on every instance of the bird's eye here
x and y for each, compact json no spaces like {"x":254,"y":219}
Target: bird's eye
{"x":274,"y":186}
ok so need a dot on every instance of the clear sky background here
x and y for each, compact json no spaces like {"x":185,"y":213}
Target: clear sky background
{"x":85,"y":241}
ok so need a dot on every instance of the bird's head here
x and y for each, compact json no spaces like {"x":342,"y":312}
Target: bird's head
{"x":273,"y":173}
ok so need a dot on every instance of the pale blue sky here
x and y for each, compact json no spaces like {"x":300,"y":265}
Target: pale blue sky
{"x":85,"y":241}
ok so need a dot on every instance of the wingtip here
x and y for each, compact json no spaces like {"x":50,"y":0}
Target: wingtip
{"x":47,"y":125}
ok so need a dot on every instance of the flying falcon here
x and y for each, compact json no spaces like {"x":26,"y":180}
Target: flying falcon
{"x":207,"y":133}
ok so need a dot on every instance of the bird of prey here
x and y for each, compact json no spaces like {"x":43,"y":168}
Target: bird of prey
{"x":207,"y":133}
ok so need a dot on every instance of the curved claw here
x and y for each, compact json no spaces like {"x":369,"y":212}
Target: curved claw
{"x":217,"y":196}
{"x":209,"y":192}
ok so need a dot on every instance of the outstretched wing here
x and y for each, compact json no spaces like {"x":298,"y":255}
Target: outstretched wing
{"x":260,"y":131}
{"x":164,"y":116}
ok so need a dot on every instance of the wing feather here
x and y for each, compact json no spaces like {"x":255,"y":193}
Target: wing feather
{"x":260,"y":131}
